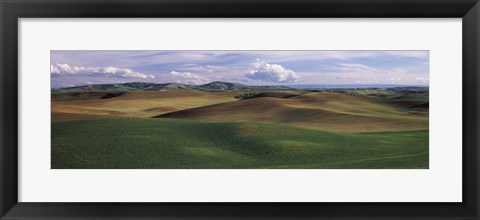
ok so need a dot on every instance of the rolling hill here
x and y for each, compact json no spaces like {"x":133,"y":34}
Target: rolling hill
{"x":318,"y":110}
{"x":143,"y":86}
{"x":229,"y":128}
{"x":323,"y":111}
{"x":89,"y":105}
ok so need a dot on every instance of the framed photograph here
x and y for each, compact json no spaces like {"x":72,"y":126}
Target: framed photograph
{"x":228,"y":109}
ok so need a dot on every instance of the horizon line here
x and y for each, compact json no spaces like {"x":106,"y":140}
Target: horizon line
{"x":286,"y":85}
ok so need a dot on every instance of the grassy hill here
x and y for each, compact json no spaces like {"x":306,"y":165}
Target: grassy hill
{"x":143,"y":86}
{"x":173,"y":143}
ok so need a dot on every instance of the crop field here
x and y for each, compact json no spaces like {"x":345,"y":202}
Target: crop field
{"x":176,"y":143}
{"x":195,"y":128}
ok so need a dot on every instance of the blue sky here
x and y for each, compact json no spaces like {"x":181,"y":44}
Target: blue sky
{"x":81,"y":67}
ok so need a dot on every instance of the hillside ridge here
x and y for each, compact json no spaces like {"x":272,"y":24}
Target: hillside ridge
{"x":144,"y":86}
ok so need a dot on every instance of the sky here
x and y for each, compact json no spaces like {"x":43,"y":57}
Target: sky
{"x":82,"y":67}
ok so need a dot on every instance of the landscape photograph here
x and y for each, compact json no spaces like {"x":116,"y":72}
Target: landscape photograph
{"x":245,"y":109}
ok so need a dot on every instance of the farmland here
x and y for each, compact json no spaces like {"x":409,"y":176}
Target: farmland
{"x":223,"y":125}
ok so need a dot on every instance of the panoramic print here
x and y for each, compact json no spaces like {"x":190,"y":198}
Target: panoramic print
{"x":239,"y":109}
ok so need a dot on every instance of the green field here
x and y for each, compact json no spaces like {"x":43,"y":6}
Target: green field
{"x":131,"y":143}
{"x":234,"y":126}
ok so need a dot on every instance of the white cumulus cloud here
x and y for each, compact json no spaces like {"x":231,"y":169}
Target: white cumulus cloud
{"x":65,"y":69}
{"x":264,"y":71}
{"x":189,"y":78}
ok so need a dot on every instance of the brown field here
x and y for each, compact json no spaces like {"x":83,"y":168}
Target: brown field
{"x":316,"y":110}
{"x":134,"y":104}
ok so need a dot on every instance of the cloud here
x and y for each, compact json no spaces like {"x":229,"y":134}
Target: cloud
{"x":422,"y":79}
{"x":354,"y":67}
{"x":365,"y":74}
{"x":54,"y":70}
{"x":314,"y":67}
{"x":65,"y":69}
{"x":189,"y":78}
{"x":198,"y":68}
{"x":147,"y":58}
{"x":264,"y":71}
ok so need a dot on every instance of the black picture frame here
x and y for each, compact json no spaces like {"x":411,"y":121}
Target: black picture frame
{"x":12,"y":10}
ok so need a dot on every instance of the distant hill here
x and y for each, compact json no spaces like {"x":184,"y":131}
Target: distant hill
{"x":142,"y":86}
{"x":352,"y":86}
